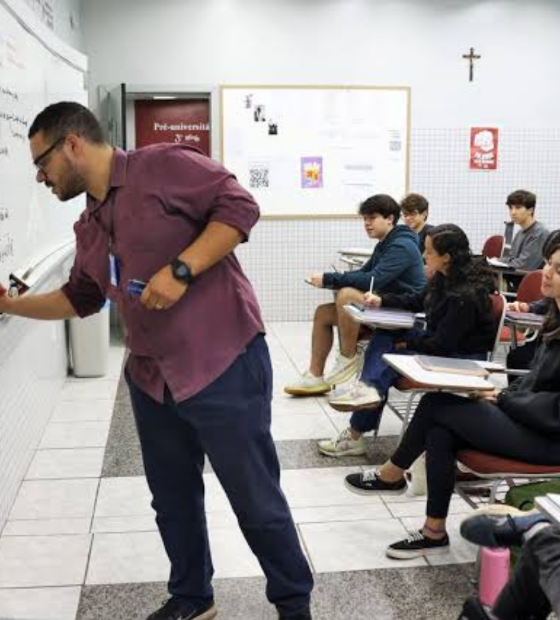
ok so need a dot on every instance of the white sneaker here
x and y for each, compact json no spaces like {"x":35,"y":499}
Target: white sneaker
{"x":357,"y":397}
{"x":344,"y":369}
{"x":307,"y":385}
{"x":343,"y":445}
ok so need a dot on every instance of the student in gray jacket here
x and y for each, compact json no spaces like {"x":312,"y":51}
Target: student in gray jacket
{"x":527,"y":245}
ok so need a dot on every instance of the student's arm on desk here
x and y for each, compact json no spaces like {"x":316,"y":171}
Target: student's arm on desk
{"x":48,"y":306}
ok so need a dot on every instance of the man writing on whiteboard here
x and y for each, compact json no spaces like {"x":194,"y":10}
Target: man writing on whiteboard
{"x":157,"y":237}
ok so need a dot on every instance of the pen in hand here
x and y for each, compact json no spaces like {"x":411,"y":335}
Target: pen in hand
{"x":371,"y":284}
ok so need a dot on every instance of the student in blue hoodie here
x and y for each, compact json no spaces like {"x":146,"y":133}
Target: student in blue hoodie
{"x":396,"y":266}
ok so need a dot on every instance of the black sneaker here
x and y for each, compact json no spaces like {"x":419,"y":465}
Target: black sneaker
{"x":369,"y":483}
{"x":499,"y":526}
{"x":416,"y":546}
{"x":473,"y":610}
{"x":174,"y":609}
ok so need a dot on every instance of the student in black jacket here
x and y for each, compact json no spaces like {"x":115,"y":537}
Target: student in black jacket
{"x":521,"y":422}
{"x":459,"y":320}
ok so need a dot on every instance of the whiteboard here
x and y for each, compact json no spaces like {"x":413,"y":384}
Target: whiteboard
{"x":311,"y":151}
{"x":35,"y":69}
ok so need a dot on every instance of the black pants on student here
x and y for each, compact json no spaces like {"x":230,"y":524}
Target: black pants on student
{"x":445,"y":423}
{"x":229,"y":421}
{"x":534,"y":589}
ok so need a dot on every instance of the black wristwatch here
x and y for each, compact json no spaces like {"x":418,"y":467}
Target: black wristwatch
{"x":181,"y":271}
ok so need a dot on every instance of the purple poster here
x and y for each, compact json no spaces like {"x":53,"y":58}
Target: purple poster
{"x":311,"y":172}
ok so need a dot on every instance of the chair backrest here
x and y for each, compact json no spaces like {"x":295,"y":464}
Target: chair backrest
{"x":530,"y":287}
{"x":508,"y":238}
{"x":499,"y":308}
{"x":493,"y":247}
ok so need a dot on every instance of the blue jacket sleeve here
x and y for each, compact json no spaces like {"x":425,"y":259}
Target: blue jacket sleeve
{"x":389,"y":267}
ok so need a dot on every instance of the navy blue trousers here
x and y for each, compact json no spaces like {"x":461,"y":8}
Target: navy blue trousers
{"x":229,"y":421}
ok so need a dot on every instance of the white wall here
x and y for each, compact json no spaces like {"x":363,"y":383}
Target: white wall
{"x":416,"y":43}
{"x":373,"y":42}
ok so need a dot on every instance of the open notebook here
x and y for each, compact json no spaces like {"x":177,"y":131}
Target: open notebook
{"x":381,"y":317}
{"x":451,"y":365}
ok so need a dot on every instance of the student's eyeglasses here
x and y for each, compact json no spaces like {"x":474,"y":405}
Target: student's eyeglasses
{"x":39,"y":162}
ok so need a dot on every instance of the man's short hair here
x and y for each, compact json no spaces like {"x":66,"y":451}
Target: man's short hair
{"x":60,"y":119}
{"x":414,"y":203}
{"x":381,"y":204}
{"x":522,"y":198}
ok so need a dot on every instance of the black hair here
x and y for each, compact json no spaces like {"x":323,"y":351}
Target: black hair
{"x":414,"y":203}
{"x":381,"y":204}
{"x":523,"y":198}
{"x":59,"y":119}
{"x":551,"y":326}
{"x":466,"y":274}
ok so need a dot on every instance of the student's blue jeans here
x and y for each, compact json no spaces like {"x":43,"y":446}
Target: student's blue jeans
{"x":229,"y":421}
{"x":379,"y":374}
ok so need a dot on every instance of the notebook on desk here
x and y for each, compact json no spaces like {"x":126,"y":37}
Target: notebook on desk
{"x":525,"y":317}
{"x":381,"y":317}
{"x":451,"y":365}
{"x":496,"y":262}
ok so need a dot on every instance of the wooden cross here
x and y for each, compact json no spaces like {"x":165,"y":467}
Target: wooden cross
{"x":471,"y":57}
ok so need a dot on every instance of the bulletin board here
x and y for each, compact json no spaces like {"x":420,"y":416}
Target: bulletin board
{"x":316,"y":151}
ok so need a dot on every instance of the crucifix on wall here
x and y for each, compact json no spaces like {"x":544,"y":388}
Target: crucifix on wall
{"x":471,"y":57}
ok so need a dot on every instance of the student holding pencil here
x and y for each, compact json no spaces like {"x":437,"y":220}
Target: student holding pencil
{"x":459,"y":324}
{"x":521,"y":422}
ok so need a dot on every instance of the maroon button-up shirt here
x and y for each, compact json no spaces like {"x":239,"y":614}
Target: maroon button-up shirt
{"x":160,"y":200}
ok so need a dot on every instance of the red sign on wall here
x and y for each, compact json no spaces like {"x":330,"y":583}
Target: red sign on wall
{"x":484,"y":148}
{"x":180,"y":121}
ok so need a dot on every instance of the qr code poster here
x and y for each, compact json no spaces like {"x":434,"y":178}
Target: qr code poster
{"x":259,"y":177}
{"x":311,"y":172}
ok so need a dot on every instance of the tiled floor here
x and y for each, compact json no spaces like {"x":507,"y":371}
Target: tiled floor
{"x":81,"y":542}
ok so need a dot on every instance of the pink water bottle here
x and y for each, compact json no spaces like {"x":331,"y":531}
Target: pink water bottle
{"x":494,"y":574}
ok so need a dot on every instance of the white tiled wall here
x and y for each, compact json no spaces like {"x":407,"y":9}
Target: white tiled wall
{"x":32,"y":372}
{"x":281,"y":252}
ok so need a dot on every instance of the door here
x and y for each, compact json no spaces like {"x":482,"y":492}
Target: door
{"x":180,"y":121}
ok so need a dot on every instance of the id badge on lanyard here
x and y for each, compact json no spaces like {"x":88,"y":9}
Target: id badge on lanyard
{"x":114,"y":272}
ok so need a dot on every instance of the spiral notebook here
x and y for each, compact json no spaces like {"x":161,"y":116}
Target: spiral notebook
{"x":451,"y":365}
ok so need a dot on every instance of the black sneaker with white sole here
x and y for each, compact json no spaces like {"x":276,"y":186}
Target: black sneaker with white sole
{"x":175,"y":609}
{"x":369,"y":483}
{"x":417,"y":545}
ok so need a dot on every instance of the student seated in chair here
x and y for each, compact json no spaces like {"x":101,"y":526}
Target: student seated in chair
{"x":395,"y":266}
{"x":526,"y":248}
{"x":414,"y":208}
{"x":521,"y":356}
{"x":460,"y":323}
{"x":521,"y":422}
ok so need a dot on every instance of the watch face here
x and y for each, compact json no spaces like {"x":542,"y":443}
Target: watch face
{"x":182,"y":271}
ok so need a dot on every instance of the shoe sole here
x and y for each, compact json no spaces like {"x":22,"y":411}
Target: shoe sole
{"x":345,"y":408}
{"x":307,"y":392}
{"x":411,"y":555}
{"x":500,"y":510}
{"x":357,"y":491}
{"x":336,"y":455}
{"x":209,"y":614}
